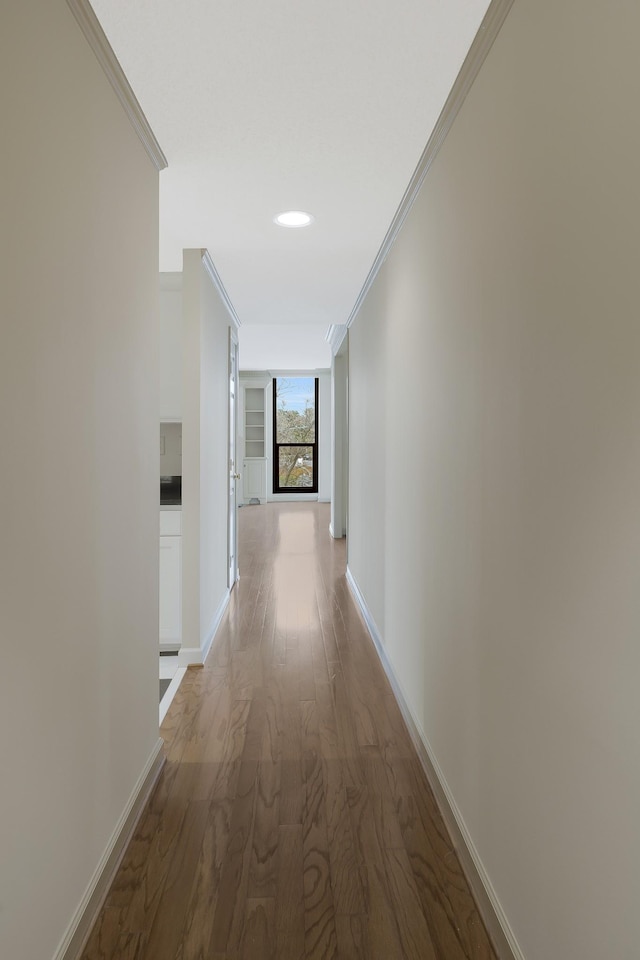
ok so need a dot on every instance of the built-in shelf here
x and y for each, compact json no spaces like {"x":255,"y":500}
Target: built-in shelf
{"x":254,"y":469}
{"x":254,"y":422}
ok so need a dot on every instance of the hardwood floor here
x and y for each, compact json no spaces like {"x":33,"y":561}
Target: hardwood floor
{"x":292,"y":818}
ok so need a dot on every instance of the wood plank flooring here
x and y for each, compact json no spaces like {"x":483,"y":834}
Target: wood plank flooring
{"x":292,"y":818}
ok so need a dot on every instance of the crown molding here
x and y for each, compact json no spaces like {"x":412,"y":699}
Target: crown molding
{"x":335,"y":336}
{"x":255,"y":375}
{"x":97,"y":40}
{"x":301,"y":372}
{"x":482,"y":43}
{"x":218,"y":284}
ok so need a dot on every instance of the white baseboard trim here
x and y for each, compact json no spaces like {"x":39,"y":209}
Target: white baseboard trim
{"x":371,"y":626}
{"x":170,"y":692}
{"x":292,"y":498}
{"x":331,"y":530}
{"x":324,"y":499}
{"x":489,"y":906}
{"x":190,"y":655}
{"x":197,"y":655}
{"x":77,"y":934}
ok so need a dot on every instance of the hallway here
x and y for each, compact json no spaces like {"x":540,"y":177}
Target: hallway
{"x":292,"y":819}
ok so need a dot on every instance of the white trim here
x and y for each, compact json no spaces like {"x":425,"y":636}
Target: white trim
{"x":292,"y":498}
{"x":261,"y":376}
{"x":308,"y":372}
{"x":482,"y":43}
{"x":489,"y":906}
{"x":77,"y":933}
{"x":190,"y":656}
{"x":335,"y":336}
{"x":170,"y":692}
{"x":97,"y":40}
{"x":218,"y":284}
{"x":197,"y":655}
{"x":370,"y":623}
{"x":215,"y":623}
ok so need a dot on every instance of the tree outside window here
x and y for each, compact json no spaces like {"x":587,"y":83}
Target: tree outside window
{"x":295,"y":434}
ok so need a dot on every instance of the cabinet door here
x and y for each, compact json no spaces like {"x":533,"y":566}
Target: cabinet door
{"x":254,"y":480}
{"x":170,"y":590}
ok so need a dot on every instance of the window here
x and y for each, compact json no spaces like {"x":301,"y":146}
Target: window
{"x":295,"y":433}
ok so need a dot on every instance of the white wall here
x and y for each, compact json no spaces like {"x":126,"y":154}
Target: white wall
{"x":79,"y":555}
{"x":170,"y":449}
{"x":205,"y":454}
{"x":284,"y":346}
{"x":495,"y":463}
{"x":171,"y":359}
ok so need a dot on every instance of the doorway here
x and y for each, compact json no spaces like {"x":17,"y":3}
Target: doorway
{"x":234,"y":475}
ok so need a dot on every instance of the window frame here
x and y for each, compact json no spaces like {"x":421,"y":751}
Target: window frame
{"x":296,"y":491}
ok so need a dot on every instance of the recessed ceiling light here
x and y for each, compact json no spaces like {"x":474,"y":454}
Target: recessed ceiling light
{"x":293,"y":218}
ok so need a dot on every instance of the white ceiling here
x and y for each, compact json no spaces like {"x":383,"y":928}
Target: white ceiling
{"x":264,"y":107}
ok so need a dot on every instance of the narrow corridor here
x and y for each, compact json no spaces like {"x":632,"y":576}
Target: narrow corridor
{"x":292,"y":818}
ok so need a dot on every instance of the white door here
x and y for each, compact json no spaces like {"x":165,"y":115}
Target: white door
{"x":233,"y":474}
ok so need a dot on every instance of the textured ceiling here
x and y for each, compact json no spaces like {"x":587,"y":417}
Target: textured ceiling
{"x":263,"y":107}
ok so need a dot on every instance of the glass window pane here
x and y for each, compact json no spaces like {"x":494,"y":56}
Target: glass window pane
{"x":295,"y":410}
{"x":295,"y":466}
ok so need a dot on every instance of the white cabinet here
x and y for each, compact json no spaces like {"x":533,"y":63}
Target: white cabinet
{"x":254,"y":479}
{"x":170,"y":579}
